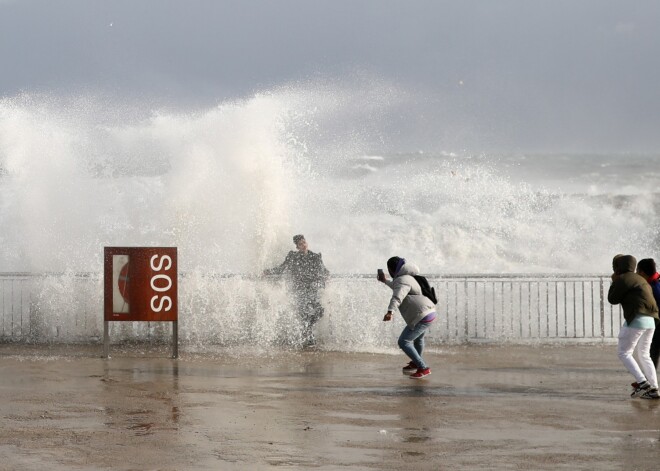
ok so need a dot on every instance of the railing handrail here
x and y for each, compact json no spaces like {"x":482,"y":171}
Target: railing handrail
{"x":434,"y":276}
{"x":488,"y":276}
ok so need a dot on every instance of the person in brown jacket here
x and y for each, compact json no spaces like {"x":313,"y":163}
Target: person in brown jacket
{"x":639,"y":311}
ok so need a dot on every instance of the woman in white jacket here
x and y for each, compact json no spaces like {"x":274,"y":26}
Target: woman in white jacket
{"x":416,"y":309}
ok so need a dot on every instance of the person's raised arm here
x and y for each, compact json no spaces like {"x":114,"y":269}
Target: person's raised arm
{"x":617,"y":291}
{"x":278,"y":270}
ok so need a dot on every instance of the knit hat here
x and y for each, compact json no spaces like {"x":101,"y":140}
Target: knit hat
{"x":394,"y":264}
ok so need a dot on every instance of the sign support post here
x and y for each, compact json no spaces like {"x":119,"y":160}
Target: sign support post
{"x":106,"y":339}
{"x":175,"y":339}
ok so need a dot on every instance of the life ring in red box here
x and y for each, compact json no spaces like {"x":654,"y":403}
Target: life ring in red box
{"x":140,"y":284}
{"x":122,"y":282}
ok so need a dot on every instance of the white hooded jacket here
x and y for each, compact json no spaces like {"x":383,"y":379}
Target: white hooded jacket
{"x":407,"y":296}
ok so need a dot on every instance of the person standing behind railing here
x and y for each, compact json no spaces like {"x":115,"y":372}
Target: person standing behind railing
{"x":646,"y":268}
{"x":639,"y":311}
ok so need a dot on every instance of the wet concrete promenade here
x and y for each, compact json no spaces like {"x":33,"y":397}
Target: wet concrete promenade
{"x":484,"y":407}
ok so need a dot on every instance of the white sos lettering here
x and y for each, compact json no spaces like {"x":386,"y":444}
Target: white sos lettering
{"x":161,"y":283}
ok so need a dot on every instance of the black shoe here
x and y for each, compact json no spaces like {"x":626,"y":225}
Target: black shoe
{"x":651,"y":393}
{"x":641,"y":389}
{"x":309,"y":342}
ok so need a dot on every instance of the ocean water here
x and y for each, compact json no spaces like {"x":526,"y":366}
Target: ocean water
{"x":231,"y":183}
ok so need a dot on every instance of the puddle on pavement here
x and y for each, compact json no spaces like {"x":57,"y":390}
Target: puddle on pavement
{"x":142,"y":429}
{"x":375,"y":417}
{"x":416,"y":439}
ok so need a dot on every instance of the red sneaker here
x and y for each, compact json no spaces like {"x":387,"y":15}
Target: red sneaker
{"x":421,"y":373}
{"x":409,"y":369}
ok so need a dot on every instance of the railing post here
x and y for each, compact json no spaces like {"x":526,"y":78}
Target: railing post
{"x":602,"y":308}
{"x":467,"y":317}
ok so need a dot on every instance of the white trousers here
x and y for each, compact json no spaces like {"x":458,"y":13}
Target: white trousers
{"x":637,"y":341}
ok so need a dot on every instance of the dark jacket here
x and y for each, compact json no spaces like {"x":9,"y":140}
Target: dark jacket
{"x":306,"y":270}
{"x":631,"y":290}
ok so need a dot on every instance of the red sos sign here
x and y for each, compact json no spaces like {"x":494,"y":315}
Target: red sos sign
{"x":140,"y":284}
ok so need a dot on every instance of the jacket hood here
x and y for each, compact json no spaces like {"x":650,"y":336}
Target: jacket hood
{"x":624,"y":263}
{"x":408,"y":268}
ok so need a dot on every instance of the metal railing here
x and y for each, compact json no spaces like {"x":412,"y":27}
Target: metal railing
{"x":524,"y":306}
{"x":14,"y":304}
{"x":39,"y":306}
{"x":471,"y":308}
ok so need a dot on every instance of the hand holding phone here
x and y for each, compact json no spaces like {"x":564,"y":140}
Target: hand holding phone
{"x":381,"y":275}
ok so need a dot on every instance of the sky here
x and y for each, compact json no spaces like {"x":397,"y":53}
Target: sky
{"x":495,"y":75}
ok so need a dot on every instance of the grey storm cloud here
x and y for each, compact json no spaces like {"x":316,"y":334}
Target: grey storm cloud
{"x":542,"y":74}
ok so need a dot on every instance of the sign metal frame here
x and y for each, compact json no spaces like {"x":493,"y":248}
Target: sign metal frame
{"x":140,"y":284}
